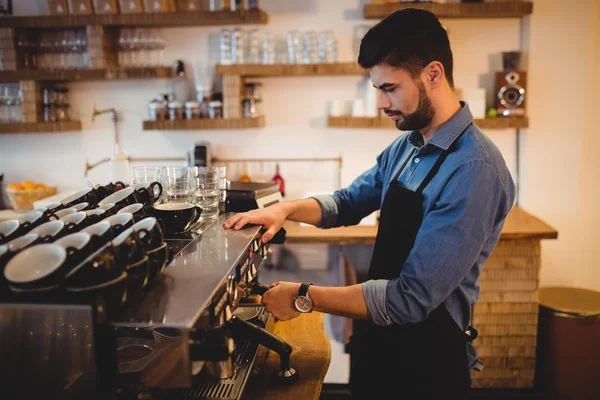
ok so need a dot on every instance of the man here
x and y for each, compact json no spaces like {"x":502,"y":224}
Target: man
{"x":444,"y":191}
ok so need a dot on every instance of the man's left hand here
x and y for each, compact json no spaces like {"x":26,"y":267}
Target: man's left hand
{"x":279,"y":300}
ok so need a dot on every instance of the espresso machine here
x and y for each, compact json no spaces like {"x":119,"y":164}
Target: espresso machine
{"x":192,"y":334}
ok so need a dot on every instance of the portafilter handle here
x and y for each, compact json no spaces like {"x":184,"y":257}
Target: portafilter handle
{"x":246,"y":330}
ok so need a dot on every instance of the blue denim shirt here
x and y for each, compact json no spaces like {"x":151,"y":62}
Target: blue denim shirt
{"x":464,"y":208}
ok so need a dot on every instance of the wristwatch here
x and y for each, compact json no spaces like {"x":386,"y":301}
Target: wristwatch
{"x":301,"y":302}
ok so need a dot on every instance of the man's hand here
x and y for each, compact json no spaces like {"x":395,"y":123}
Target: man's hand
{"x":272,"y":218}
{"x":279,"y":300}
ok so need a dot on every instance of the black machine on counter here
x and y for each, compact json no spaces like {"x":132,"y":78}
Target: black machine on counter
{"x":245,"y":196}
{"x":189,"y":335}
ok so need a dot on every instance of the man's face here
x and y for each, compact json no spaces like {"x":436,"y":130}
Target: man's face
{"x":402,"y":97}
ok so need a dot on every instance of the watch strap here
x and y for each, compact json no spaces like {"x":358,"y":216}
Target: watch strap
{"x":303,"y":291}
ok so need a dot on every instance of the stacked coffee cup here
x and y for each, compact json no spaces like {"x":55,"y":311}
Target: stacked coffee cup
{"x":98,"y":246}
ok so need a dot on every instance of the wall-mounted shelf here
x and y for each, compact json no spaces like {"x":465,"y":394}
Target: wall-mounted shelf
{"x":107,"y":74}
{"x":496,"y":9}
{"x":242,"y":123}
{"x":40,"y":127}
{"x":200,"y":18}
{"x":487,"y":123}
{"x":350,"y":68}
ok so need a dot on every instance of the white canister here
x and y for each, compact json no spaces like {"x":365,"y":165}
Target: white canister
{"x":336,"y":108}
{"x":358,"y":108}
{"x":370,"y":100}
{"x":475,"y":98}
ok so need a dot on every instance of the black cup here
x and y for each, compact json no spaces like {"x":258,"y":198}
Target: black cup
{"x":112,"y":187}
{"x":75,"y":222}
{"x":51,"y":231}
{"x":130,"y":253}
{"x":138,"y":210}
{"x":31,"y":220}
{"x":94,"y":216}
{"x":37,"y":267}
{"x":109,"y":209}
{"x":62,"y":212}
{"x":49,"y":294}
{"x":121,"y":198}
{"x":98,"y":268}
{"x":100,"y":233}
{"x":12,"y":248}
{"x":87,"y":195}
{"x":120,"y":223}
{"x":177,"y":217}
{"x":148,"y":193}
{"x":106,"y":297}
{"x":10,"y":230}
{"x":150,"y":233}
{"x":82,"y":206}
{"x":157,"y":259}
{"x":78,"y":246}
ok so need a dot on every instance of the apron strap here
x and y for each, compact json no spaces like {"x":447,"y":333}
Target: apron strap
{"x":436,"y":167}
{"x":404,"y":165}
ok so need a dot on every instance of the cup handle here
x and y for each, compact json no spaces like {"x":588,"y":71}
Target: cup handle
{"x":160,"y":190}
{"x":115,"y":184}
{"x":145,"y":238}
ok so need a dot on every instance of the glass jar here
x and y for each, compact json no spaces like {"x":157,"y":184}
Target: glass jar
{"x":192,"y":110}
{"x":157,"y":111}
{"x":61,"y":95}
{"x":62,"y":112}
{"x":215,"y":110}
{"x":250,"y":108}
{"x":175,"y":111}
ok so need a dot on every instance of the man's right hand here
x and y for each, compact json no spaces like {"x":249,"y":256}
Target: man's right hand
{"x":271,"y":218}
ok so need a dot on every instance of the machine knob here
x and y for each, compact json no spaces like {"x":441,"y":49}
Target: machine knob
{"x":227,"y":313}
{"x":253,"y":270}
{"x":256,"y":245}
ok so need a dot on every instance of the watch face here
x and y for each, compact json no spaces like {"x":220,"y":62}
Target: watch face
{"x":303,"y":304}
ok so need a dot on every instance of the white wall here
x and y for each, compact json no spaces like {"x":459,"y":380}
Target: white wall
{"x":557,"y":152}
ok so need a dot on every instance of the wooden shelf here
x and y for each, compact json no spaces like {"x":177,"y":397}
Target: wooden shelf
{"x":40,"y":127}
{"x":107,"y":74}
{"x":242,"y":123}
{"x":487,"y":123}
{"x":201,"y":18}
{"x":350,"y":68}
{"x":497,"y":9}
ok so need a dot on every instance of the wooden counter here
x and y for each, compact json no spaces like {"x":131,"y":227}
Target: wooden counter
{"x":519,"y":225}
{"x":310,"y":357}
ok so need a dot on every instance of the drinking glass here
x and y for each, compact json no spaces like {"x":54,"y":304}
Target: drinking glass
{"x":146,"y":174}
{"x":178,"y":184}
{"x":207,"y":193}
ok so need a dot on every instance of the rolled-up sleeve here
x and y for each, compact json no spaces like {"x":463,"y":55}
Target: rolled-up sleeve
{"x":350,"y":205}
{"x":448,"y":244}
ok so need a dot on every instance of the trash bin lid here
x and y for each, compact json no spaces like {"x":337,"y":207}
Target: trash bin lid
{"x":573,"y":301}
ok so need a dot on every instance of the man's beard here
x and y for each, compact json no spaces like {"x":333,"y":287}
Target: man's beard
{"x":420,"y":118}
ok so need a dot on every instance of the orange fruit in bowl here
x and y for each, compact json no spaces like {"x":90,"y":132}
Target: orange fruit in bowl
{"x":16,"y":186}
{"x":28,"y":185}
{"x":40,"y":186}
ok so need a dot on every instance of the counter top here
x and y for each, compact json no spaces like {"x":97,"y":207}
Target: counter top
{"x":519,"y":225}
{"x":310,"y":357}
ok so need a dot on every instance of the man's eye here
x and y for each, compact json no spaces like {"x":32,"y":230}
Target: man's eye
{"x":389,"y":90}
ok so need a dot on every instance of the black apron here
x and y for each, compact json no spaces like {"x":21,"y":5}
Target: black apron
{"x":425,"y":360}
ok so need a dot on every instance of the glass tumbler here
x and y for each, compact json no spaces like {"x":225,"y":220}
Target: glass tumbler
{"x":207,"y":193}
{"x":178,"y":184}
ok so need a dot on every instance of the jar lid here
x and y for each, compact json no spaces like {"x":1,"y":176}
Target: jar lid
{"x":157,"y":105}
{"x":574,"y":302}
{"x":192,"y":104}
{"x":252,"y":84}
{"x":175,"y":104}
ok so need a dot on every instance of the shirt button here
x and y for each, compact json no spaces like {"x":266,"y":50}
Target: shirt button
{"x":417,"y":160}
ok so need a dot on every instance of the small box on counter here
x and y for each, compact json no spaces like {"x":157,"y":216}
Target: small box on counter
{"x":159,"y":6}
{"x":80,"y":7}
{"x":106,"y":7}
{"x":131,"y":6}
{"x":58,"y":7}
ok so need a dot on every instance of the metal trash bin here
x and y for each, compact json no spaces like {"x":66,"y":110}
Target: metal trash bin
{"x":568,"y":351}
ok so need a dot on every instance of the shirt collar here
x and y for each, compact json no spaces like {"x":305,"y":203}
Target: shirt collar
{"x":448,"y":133}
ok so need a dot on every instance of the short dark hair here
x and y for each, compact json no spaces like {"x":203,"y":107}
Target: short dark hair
{"x":408,"y":39}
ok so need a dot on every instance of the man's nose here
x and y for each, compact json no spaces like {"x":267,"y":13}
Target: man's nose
{"x":382,"y":100}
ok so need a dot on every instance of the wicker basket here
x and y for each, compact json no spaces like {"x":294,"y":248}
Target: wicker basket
{"x":24,"y":199}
